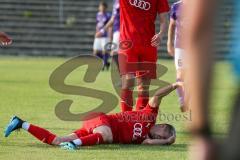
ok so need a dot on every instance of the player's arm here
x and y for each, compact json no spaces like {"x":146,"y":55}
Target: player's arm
{"x":168,"y":141}
{"x":163,"y":24}
{"x":110,"y":23}
{"x":5,"y":39}
{"x":97,"y":29}
{"x":110,"y":33}
{"x":168,"y":89}
{"x":106,"y":27}
{"x":156,"y":99}
{"x":171,"y":36}
{"x":163,"y":27}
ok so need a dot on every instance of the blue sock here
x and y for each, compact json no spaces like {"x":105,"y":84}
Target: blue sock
{"x":100,"y":55}
{"x":105,"y":59}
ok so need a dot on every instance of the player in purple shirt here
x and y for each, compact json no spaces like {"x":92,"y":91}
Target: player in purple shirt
{"x":175,"y":47}
{"x":115,"y":23}
{"x":100,"y":41}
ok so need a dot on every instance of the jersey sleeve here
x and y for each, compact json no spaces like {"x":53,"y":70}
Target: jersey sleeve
{"x":149,"y":109}
{"x":163,"y":6}
{"x":109,"y":15}
{"x":173,"y":12}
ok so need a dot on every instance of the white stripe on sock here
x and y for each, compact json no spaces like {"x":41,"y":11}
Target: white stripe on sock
{"x":78,"y":142}
{"x":25,"y":126}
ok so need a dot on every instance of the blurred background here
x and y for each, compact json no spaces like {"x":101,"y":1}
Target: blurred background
{"x":44,"y":33}
{"x":67,"y":27}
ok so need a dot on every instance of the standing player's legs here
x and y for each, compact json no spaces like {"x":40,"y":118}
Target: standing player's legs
{"x":105,"y":53}
{"x":179,"y":56}
{"x":128,"y":81}
{"x":97,"y":48}
{"x":147,"y":71}
{"x":114,"y":52}
{"x":128,"y":66}
{"x":143,"y":83}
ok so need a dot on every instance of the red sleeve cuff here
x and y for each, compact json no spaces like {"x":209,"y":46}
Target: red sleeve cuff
{"x":148,"y":108}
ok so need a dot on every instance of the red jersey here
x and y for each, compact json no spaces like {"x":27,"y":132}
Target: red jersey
{"x":137,"y":19}
{"x":132,"y":127}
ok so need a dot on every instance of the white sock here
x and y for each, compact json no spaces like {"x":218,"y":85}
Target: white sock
{"x":25,"y":126}
{"x":77,"y":142}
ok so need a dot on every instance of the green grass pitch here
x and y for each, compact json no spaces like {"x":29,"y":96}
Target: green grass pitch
{"x":24,"y":91}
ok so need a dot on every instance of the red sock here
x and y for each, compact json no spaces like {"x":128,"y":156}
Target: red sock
{"x":81,"y":132}
{"x":141,"y":103}
{"x":41,"y":134}
{"x":92,"y":139}
{"x":126,"y":100}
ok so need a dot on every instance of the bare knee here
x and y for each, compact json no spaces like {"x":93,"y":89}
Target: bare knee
{"x":143,"y":89}
{"x":106,"y":133}
{"x":180,"y":74}
{"x":128,"y":81}
{"x":143,"y":86}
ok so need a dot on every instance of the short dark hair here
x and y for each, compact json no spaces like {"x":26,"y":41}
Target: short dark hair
{"x":171,"y":129}
{"x":103,"y":3}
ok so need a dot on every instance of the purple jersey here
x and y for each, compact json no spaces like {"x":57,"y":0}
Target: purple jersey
{"x":102,"y":20}
{"x":116,"y":14}
{"x":175,"y":15}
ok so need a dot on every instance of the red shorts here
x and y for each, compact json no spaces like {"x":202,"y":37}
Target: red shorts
{"x":138,"y":60}
{"x":101,"y":120}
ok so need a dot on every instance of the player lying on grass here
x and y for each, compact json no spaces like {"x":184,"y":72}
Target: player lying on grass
{"x":131,"y":127}
{"x":5,"y":39}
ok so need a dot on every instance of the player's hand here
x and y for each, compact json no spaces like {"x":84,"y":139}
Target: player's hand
{"x":147,"y":141}
{"x":98,"y":34}
{"x":170,"y":48}
{"x":5,"y":39}
{"x":181,"y":85}
{"x":156,"y":40}
{"x":171,"y":139}
{"x":178,"y":84}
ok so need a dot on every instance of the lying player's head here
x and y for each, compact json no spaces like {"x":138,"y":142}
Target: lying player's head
{"x":102,"y":6}
{"x":162,"y":131}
